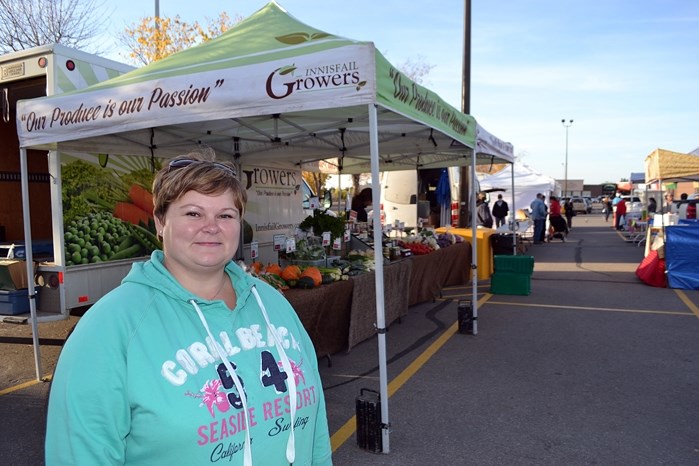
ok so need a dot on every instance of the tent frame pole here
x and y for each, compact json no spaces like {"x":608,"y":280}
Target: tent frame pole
{"x":378,"y":275}
{"x":474,"y":245}
{"x":513,"y":209}
{"x":29,"y":259}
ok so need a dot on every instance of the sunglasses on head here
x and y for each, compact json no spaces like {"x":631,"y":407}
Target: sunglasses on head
{"x":182,"y":163}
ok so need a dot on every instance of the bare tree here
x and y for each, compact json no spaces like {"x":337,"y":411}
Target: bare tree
{"x":416,"y":69}
{"x":29,"y":23}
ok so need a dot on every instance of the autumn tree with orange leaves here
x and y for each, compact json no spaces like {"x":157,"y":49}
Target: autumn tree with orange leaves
{"x":315,"y":180}
{"x":154,"y":38}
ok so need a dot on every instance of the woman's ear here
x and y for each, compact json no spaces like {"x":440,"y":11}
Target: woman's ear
{"x":159,"y":225}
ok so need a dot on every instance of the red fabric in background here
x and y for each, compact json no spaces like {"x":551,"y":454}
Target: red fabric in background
{"x":651,"y":271}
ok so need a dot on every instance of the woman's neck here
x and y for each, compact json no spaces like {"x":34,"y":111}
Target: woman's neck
{"x":209,"y":285}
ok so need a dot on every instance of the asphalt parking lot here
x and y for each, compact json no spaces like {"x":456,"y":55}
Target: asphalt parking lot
{"x":592,"y":367}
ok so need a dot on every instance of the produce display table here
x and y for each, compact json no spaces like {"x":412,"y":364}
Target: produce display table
{"x":363,"y":314}
{"x":444,"y":267}
{"x":484,"y":248}
{"x":324,"y":312}
{"x":340,"y":315}
{"x":455,"y":261}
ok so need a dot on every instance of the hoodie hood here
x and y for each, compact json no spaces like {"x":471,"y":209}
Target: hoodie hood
{"x":153,"y":274}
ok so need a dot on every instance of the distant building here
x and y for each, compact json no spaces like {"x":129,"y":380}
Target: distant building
{"x":595,"y":190}
{"x":575,"y":188}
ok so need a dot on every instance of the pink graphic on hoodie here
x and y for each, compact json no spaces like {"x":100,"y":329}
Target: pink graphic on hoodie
{"x":296,"y":369}
{"x":214,"y":397}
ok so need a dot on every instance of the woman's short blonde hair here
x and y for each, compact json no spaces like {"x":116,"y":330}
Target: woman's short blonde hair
{"x":197,"y":171}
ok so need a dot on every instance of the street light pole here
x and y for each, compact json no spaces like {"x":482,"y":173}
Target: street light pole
{"x":565,"y":182}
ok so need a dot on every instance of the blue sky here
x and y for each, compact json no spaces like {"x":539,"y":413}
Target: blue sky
{"x":626,"y":71}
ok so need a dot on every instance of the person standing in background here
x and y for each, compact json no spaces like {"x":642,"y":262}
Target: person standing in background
{"x":669,"y":206}
{"x":608,"y":207}
{"x":360,"y":202}
{"x":682,"y":206}
{"x":569,"y":211}
{"x":483,"y":217}
{"x":652,"y":205}
{"x":500,"y":211}
{"x":558,"y":227}
{"x":692,"y":209}
{"x":620,"y":214}
{"x":538,"y":215}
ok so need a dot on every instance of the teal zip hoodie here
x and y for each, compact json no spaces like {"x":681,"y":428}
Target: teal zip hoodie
{"x":155,"y":375}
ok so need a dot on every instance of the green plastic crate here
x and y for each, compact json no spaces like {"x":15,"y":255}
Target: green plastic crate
{"x":510,"y":283}
{"x":515,"y":264}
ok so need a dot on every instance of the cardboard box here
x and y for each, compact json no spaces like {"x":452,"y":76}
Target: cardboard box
{"x":13,"y":275}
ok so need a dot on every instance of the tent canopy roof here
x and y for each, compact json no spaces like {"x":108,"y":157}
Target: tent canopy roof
{"x":665,"y":165}
{"x":272,"y":89}
{"x":527,"y":183}
{"x":524,"y":177}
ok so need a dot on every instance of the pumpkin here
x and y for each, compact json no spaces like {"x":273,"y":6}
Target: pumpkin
{"x":256,"y":267}
{"x":314,"y":273}
{"x":273,"y":268}
{"x":291,"y":273}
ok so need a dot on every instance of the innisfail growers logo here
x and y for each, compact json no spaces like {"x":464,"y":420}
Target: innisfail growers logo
{"x":288,"y":79}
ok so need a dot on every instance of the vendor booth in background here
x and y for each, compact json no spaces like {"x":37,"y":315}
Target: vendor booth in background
{"x":672,"y":245}
{"x":527,"y":183}
{"x":520,"y":184}
{"x":664,"y":166}
{"x":671,"y":258}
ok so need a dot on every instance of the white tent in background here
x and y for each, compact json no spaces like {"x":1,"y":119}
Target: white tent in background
{"x":527,"y":183}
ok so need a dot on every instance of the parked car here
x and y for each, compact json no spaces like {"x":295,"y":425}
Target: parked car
{"x":580,"y":205}
{"x":633,"y":204}
{"x":597,"y":204}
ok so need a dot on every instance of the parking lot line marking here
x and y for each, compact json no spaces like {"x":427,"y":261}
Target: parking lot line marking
{"x":346,"y":431}
{"x":21,"y":386}
{"x":453,"y":296}
{"x":685,"y":299}
{"x":586,"y":308}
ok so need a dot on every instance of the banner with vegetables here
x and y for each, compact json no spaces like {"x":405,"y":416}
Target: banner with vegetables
{"x":108,"y":208}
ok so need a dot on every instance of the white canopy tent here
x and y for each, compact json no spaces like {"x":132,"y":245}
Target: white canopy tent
{"x":273,"y":90}
{"x":525,"y":183}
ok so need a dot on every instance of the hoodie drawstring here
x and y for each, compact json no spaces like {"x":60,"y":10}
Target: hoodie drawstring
{"x":286,"y":365}
{"x":290,"y":444}
{"x":247,"y":453}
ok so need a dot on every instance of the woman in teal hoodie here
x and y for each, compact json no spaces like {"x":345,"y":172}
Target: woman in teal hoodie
{"x":190,"y":361}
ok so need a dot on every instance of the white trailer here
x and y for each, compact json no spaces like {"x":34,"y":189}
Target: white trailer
{"x":37,"y":72}
{"x":411,"y":198}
